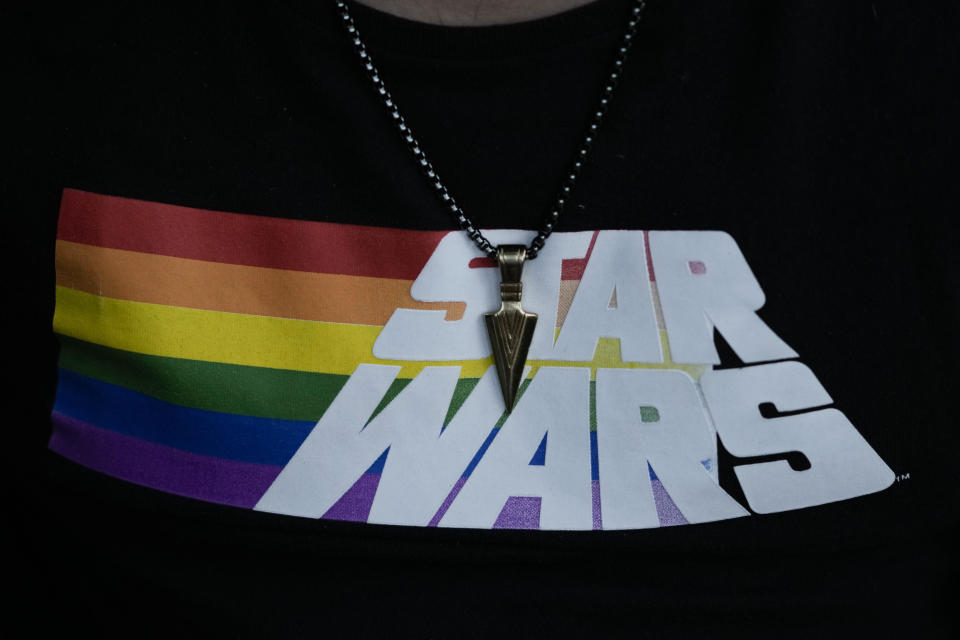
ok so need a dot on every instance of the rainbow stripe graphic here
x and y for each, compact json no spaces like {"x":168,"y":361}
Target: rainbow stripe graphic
{"x":199,"y":348}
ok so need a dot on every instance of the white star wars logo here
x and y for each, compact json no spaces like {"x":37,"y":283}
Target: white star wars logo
{"x":702,"y":282}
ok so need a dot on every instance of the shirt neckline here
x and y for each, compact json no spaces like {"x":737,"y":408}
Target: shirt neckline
{"x":388,"y":33}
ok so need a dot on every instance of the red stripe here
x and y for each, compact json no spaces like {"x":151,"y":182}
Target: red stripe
{"x":570,"y":268}
{"x":646,"y":246}
{"x":573,"y":268}
{"x":482,"y":263}
{"x":233,"y":238}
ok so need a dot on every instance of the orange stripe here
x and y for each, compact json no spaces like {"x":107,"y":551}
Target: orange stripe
{"x":214,"y":286}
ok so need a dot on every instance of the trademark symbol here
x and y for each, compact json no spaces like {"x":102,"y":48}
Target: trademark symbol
{"x":903,"y":476}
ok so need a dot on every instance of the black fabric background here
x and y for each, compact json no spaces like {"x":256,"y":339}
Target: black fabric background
{"x":821,"y":136}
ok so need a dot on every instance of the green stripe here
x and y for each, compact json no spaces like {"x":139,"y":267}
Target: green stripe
{"x":213,"y":386}
{"x":393,"y":391}
{"x":520,"y":391}
{"x":593,"y":405}
{"x":460,"y":393}
{"x":227,"y":388}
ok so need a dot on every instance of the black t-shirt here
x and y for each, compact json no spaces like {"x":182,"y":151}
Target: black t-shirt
{"x":816,"y":138}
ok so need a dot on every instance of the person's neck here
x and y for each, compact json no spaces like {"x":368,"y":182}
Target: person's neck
{"x":473,"y":13}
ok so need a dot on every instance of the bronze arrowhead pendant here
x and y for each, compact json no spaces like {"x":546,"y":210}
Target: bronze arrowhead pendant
{"x":510,"y":327}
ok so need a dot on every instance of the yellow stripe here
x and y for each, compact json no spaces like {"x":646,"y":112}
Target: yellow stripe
{"x":262,"y":341}
{"x":234,"y":338}
{"x":607,"y":356}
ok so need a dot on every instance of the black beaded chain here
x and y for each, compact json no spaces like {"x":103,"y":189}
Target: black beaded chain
{"x":566,"y":187}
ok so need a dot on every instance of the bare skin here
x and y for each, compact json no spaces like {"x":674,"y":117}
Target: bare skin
{"x":473,"y":13}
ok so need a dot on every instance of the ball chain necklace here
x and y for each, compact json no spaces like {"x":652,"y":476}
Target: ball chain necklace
{"x":510,"y":328}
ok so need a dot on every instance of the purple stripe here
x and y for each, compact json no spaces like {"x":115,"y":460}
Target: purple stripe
{"x":519,"y":513}
{"x":435,"y":520}
{"x":157,"y":466}
{"x":355,"y":504}
{"x":597,"y":518}
{"x":667,"y":510}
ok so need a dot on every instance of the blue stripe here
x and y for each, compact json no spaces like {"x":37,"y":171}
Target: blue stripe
{"x":221,"y":435}
{"x":483,"y":449}
{"x":539,"y":458}
{"x":377,"y":467}
{"x":594,"y":457}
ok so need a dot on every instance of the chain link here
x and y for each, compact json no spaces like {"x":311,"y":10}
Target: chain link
{"x":428,"y":170}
